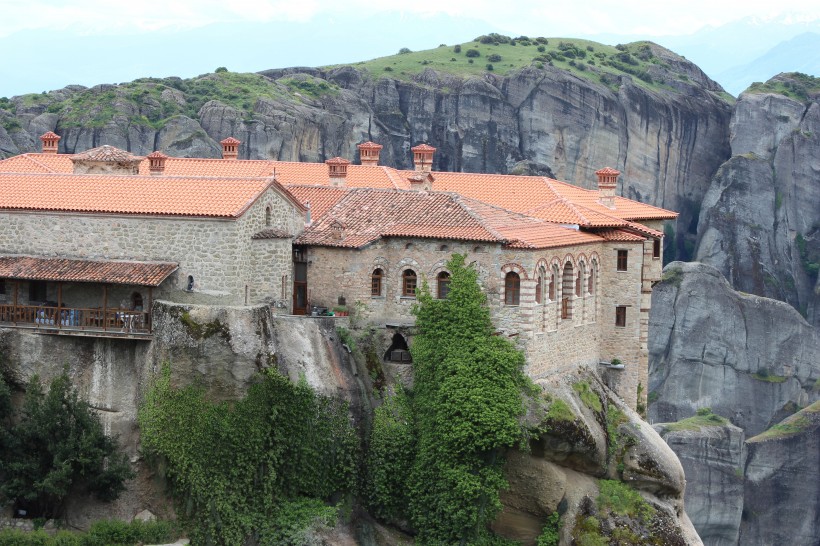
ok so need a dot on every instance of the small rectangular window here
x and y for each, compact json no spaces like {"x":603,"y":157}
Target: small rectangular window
{"x":620,"y":316}
{"x":656,"y":248}
{"x":623,"y":260}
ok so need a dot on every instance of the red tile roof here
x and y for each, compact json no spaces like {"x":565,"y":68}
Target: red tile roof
{"x":106,"y":153}
{"x":154,"y":195}
{"x":61,"y":269}
{"x":619,"y":235}
{"x":366,"y":215}
{"x":230,"y":140}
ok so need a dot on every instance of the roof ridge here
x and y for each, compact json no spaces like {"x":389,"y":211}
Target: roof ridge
{"x":477,"y":217}
{"x":143,"y":176}
{"x":621,"y":221}
{"x":48,"y":169}
{"x":391,"y":175}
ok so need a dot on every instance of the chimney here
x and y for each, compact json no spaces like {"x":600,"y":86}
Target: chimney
{"x":337,"y":170}
{"x":230,"y":148}
{"x":156,"y":162}
{"x":369,"y":153}
{"x":50,"y":142}
{"x":423,"y":157}
{"x":421,"y":181}
{"x":607,"y":183}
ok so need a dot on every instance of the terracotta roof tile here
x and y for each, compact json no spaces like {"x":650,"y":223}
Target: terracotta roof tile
{"x":366,"y":215}
{"x":50,"y":135}
{"x":321,"y":198}
{"x":37,"y":163}
{"x":61,"y":269}
{"x":106,"y":153}
{"x":153,"y":195}
{"x":619,"y":235}
{"x":230,"y":140}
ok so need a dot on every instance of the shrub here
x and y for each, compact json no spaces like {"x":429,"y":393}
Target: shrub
{"x":220,"y":70}
{"x":490,"y":67}
{"x":457,"y":48}
{"x":388,"y":69}
{"x":404,"y":51}
{"x":494,"y":58}
{"x":551,"y":532}
{"x":472,"y":53}
{"x":54,"y":447}
{"x":541,"y":49}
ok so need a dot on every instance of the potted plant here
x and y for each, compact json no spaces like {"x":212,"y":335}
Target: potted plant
{"x":340,"y":311}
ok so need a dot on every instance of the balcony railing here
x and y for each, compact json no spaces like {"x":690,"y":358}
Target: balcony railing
{"x":99,"y":321}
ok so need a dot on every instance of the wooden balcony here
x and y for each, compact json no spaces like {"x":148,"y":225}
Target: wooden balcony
{"x":91,"y":322}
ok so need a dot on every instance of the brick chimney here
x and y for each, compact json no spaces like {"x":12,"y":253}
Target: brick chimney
{"x":156,"y":162}
{"x":337,"y":170}
{"x":423,"y":157}
{"x":607,"y":183}
{"x":421,"y":181}
{"x":230,"y":148}
{"x":369,"y":153}
{"x":50,"y":142}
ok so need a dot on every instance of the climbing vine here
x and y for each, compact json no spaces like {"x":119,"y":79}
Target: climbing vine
{"x":260,"y":469}
{"x":466,"y":403}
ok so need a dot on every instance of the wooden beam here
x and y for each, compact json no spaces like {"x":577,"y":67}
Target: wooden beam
{"x":105,"y":307}
{"x":59,"y":315}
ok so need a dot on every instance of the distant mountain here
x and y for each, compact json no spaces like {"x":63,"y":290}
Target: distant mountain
{"x":800,"y":54}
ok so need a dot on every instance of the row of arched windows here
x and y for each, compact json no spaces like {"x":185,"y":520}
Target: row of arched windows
{"x":409,"y":283}
{"x":547,"y":283}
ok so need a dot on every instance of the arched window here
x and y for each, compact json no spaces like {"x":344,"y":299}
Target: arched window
{"x":578,"y":285}
{"x":591,"y":279}
{"x":376,"y":282}
{"x":552,"y":286}
{"x":190,"y":286}
{"x":566,"y":291}
{"x":538,"y":282}
{"x":267,"y":216}
{"x":408,"y":283}
{"x":398,"y":350}
{"x":443,"y":281}
{"x":408,"y":246}
{"x":512,"y":288}
{"x":579,"y":281}
{"x":444,"y":248}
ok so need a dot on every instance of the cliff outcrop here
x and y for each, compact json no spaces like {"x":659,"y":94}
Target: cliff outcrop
{"x":666,"y":128}
{"x":753,"y":361}
{"x":760,"y":219}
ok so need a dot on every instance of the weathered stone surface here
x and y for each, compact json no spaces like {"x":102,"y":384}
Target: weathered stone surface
{"x":782,"y":499}
{"x":713,"y":458}
{"x":561,"y":475}
{"x":744,"y":356}
{"x":766,"y":196}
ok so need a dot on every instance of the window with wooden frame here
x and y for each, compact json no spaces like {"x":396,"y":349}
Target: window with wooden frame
{"x":566,"y":291}
{"x":620,"y":316}
{"x":623,"y":260}
{"x":512,"y":288}
{"x":443,"y":285}
{"x":552,"y":286}
{"x":656,"y":248}
{"x":539,"y":281}
{"x":578,"y":285}
{"x":408,"y":283}
{"x":376,"y":282}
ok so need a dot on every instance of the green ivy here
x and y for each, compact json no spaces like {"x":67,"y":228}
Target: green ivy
{"x":238,"y":469}
{"x":466,"y":402}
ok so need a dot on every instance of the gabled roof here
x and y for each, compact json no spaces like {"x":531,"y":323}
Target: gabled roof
{"x":122,"y":194}
{"x":366,"y":215}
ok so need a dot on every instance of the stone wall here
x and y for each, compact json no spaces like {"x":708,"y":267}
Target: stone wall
{"x":587,"y":336}
{"x":217,"y":253}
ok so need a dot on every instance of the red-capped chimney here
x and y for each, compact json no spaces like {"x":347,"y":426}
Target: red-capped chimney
{"x":230,"y":148}
{"x":156,"y":162}
{"x":337,"y":170}
{"x":423,"y":157}
{"x":607,"y":183}
{"x":50,"y":142}
{"x":369,"y":153}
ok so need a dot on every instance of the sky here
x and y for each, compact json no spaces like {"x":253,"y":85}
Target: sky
{"x":48,"y":44}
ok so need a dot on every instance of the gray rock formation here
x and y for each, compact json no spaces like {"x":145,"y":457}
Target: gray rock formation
{"x":748,"y":358}
{"x":713,"y":459}
{"x":782,"y":498}
{"x":581,"y":435}
{"x":667,"y":139}
{"x":760,"y":220}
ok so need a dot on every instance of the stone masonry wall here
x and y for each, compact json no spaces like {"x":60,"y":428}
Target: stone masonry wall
{"x":217,"y":253}
{"x":587,"y":336}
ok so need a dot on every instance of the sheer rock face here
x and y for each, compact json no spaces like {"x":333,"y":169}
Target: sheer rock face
{"x":667,"y":141}
{"x":748,"y":358}
{"x":766,"y":197}
{"x":754,"y":361}
{"x":713,"y":458}
{"x":782,"y":502}
{"x":574,"y":448}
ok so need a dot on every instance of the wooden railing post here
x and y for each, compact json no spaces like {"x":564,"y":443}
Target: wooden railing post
{"x":105,"y":307}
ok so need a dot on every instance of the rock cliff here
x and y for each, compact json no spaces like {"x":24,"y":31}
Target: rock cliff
{"x":667,"y":130}
{"x":754,"y":361}
{"x":760,"y":219}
